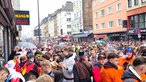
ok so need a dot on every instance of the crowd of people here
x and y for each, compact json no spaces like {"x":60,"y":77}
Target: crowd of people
{"x":116,"y":61}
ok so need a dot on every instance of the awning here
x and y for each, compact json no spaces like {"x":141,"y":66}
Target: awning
{"x":82,"y":35}
{"x":99,"y":36}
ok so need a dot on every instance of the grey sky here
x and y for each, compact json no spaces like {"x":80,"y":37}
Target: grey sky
{"x":46,"y":7}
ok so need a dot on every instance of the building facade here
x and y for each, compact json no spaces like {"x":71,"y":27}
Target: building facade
{"x":8,"y":31}
{"x":64,"y":21}
{"x":108,"y":17}
{"x":82,"y":25}
{"x":136,"y":14}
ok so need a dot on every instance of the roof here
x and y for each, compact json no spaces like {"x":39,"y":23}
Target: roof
{"x":68,"y":6}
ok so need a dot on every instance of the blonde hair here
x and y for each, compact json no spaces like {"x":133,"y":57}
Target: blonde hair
{"x":46,"y":63}
{"x":44,"y":78}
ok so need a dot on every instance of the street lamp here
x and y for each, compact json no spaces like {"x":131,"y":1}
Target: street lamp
{"x":39,"y":34}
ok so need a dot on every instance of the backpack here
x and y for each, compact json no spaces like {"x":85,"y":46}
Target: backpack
{"x":89,"y":70}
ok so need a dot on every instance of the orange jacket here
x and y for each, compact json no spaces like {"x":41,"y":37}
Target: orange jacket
{"x":143,"y":76}
{"x":123,"y":60}
{"x":110,"y":75}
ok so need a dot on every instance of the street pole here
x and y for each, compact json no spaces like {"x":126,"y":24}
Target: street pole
{"x":39,"y":35}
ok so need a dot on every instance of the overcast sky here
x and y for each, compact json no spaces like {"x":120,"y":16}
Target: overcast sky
{"x":46,"y":7}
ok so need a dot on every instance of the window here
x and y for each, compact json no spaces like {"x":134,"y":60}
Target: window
{"x":68,"y":26}
{"x":118,"y":6}
{"x":95,"y":2}
{"x":96,"y":14}
{"x":138,"y":21}
{"x":96,"y":27}
{"x":129,"y":3}
{"x":136,"y":2}
{"x":68,"y":19}
{"x":102,"y":25}
{"x":101,"y":1}
{"x":119,"y":22}
{"x":143,"y":1}
{"x":68,"y":32}
{"x":110,"y":24}
{"x":141,"y":20}
{"x":102,"y":12}
{"x":131,"y":22}
{"x":110,"y":10}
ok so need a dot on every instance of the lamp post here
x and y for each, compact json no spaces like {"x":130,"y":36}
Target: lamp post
{"x":39,"y":34}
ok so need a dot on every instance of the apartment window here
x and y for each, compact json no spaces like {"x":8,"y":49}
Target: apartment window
{"x":95,"y":2}
{"x":141,"y":21}
{"x":96,"y":27}
{"x":111,"y":24}
{"x":131,"y":22}
{"x":110,"y":10}
{"x":68,"y":19}
{"x":101,"y":1}
{"x":96,"y":14}
{"x":136,"y":2}
{"x":102,"y":25}
{"x":143,"y":1}
{"x":118,"y":6}
{"x":129,"y":3}
{"x":119,"y":22}
{"x":138,"y":21}
{"x":102,"y":12}
{"x":68,"y":26}
{"x":68,"y":32}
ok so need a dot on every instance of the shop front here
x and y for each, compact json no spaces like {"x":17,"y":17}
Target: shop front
{"x":134,"y":35}
{"x":84,"y":37}
{"x":117,"y":36}
{"x":7,"y":28}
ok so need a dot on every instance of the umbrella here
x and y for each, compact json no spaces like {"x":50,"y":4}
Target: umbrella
{"x":26,"y":45}
{"x":144,"y":44}
{"x":59,"y":46}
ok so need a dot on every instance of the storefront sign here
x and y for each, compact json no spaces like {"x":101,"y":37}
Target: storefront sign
{"x":136,"y":31}
{"x":131,"y":31}
{"x":22,"y":17}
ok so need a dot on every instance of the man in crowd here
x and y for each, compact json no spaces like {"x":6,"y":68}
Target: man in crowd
{"x":110,"y":72}
{"x":82,"y":69}
{"x":4,"y":72}
{"x":97,"y":67}
{"x":133,"y":73}
{"x":16,"y":49}
{"x":67,"y":66}
{"x":128,"y":59}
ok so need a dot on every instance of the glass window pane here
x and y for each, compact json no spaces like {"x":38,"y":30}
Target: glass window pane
{"x":145,"y":17}
{"x":136,"y":18}
{"x":136,"y":26}
{"x":143,"y":0}
{"x":141,"y":17}
{"x":141,"y":25}
{"x":145,"y":24}
{"x":129,"y":3}
{"x":131,"y":20}
{"x":136,"y":2}
{"x":132,"y":26}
